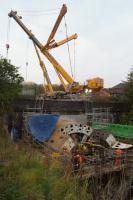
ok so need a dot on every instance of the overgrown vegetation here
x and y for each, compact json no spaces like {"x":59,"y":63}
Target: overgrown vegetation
{"x":10,"y":82}
{"x":24,"y":175}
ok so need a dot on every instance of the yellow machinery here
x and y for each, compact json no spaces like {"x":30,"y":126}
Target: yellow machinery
{"x":48,"y":88}
{"x":95,"y":83}
{"x":66,"y":80}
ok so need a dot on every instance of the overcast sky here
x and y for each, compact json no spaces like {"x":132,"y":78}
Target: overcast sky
{"x":104,"y":47}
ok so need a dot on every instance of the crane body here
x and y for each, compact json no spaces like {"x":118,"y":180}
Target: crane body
{"x":68,"y":83}
{"x":62,"y":74}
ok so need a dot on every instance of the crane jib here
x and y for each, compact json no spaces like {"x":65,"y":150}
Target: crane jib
{"x":31,"y":36}
{"x":62,"y":74}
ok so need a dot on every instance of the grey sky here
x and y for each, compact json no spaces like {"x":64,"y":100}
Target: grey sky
{"x":104,"y":46}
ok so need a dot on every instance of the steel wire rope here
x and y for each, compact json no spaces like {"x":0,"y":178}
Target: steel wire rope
{"x":74,"y":60}
{"x":43,"y":10}
{"x":27,"y":59}
{"x":8,"y":37}
{"x":68,"y":48}
{"x":38,"y":12}
{"x":38,"y":15}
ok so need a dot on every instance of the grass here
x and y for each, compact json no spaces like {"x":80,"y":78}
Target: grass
{"x":24,"y":175}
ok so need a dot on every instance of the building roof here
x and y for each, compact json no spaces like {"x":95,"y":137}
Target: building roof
{"x":120,"y":85}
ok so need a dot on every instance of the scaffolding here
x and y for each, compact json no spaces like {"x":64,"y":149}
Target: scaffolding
{"x":102,"y":115}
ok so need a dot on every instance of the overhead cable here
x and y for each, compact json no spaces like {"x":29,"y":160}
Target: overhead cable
{"x":68,"y":47}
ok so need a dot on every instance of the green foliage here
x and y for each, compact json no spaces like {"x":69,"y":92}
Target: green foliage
{"x":127,"y":118}
{"x":24,"y":175}
{"x":10,"y":82}
{"x":129,"y":87}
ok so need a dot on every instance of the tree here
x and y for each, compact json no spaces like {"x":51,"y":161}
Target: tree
{"x":128,"y":89}
{"x":127,"y":118}
{"x":10,"y":82}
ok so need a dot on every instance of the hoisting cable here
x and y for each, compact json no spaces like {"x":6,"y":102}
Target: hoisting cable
{"x":74,"y":60}
{"x":26,"y":69}
{"x":38,"y":12}
{"x":8,"y":37}
{"x":70,"y":63}
{"x":27,"y":60}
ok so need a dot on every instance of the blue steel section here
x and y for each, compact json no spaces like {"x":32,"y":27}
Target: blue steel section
{"x":42,"y":126}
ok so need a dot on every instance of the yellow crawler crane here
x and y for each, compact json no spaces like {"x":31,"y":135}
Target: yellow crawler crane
{"x":66,"y":80}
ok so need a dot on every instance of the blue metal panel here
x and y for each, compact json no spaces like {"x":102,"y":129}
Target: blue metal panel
{"x":42,"y":126}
